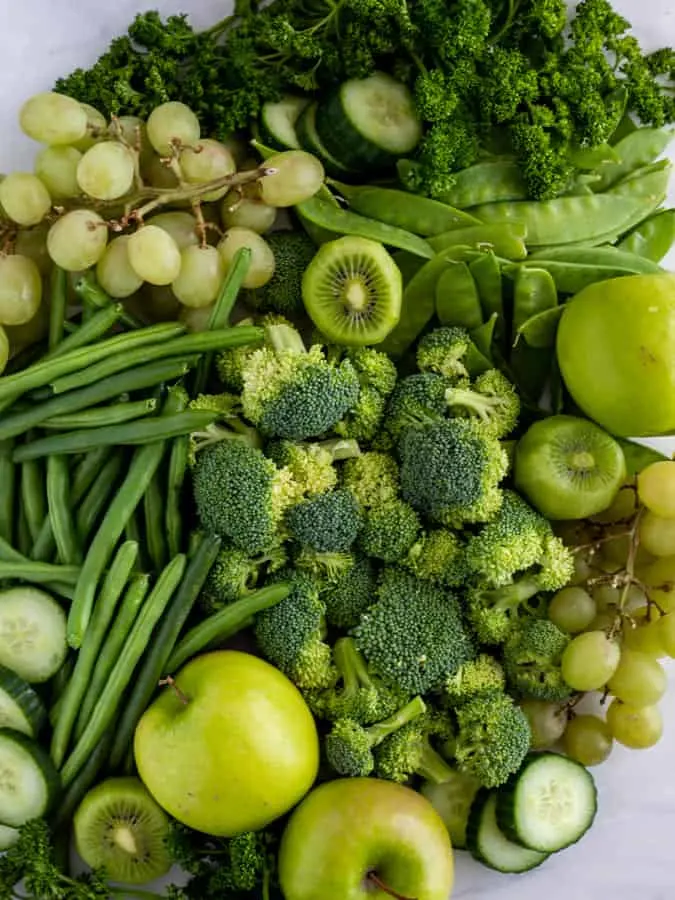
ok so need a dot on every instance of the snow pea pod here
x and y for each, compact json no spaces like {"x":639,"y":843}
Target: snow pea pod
{"x":484,"y":335}
{"x":506,"y":240}
{"x":539,"y":331}
{"x":589,"y":158}
{"x":534,"y":292}
{"x":639,"y":148}
{"x":577,"y":268}
{"x":420,"y":215}
{"x":486,"y":182}
{"x":487,"y":272}
{"x":457,"y":300}
{"x":653,"y":238}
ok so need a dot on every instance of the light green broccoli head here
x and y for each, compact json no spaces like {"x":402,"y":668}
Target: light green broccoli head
{"x":492,"y":401}
{"x":363,"y":422}
{"x":532,"y":655}
{"x":389,"y":530}
{"x":438,"y":555}
{"x":374,"y":368}
{"x":373,"y":478}
{"x":477,"y":677}
{"x":443,"y":352}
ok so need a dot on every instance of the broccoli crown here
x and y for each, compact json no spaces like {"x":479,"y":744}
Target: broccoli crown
{"x":229,"y":427}
{"x":389,"y":530}
{"x":493,"y":738}
{"x":235,"y":573}
{"x":413,"y":635}
{"x":230,"y":363}
{"x":477,"y":677}
{"x":363,"y":422}
{"x":350,"y":594}
{"x":409,"y":751}
{"x":443,"y":351}
{"x":532,"y":655}
{"x":451,"y":470}
{"x":294,"y":393}
{"x":311,"y":465}
{"x":416,"y":397}
{"x":241,"y":495}
{"x":492,"y":400}
{"x":438,"y":556}
{"x":374,"y":369}
{"x":290,"y":634}
{"x":328,"y":522}
{"x":493,"y":612}
{"x":293,"y":252}
{"x":373,"y":478}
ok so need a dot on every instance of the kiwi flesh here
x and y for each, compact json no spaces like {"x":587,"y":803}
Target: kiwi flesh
{"x":353,"y":291}
{"x":119,"y":827}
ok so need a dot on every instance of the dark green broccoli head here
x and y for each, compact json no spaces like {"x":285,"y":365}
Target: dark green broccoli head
{"x":293,"y":252}
{"x":443,"y":352}
{"x":389,"y":530}
{"x":328,"y":522}
{"x":374,"y":368}
{"x":416,"y":397}
{"x":409,"y":751}
{"x":413,"y":636}
{"x":235,"y":573}
{"x":350,"y":594}
{"x":532,"y":655}
{"x":494,"y":612}
{"x":372,"y":477}
{"x":492,"y":401}
{"x":477,"y":677}
{"x":363,"y":422}
{"x":438,"y":555}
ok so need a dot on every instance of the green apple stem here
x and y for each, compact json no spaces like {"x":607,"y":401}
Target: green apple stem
{"x":171,"y":682}
{"x":377,"y":881}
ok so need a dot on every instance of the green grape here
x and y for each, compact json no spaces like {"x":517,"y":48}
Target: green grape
{"x":106,"y":171}
{"x":133,"y":131}
{"x":154,"y":255}
{"x":583,"y":567}
{"x":572,"y":609}
{"x":660,"y":580}
{"x":157,"y":174}
{"x":656,"y":488}
{"x":605,"y":620}
{"x":77,"y":240}
{"x":201,"y":274}
{"x":262,"y":257}
{"x":606,"y":596}
{"x":622,"y":508}
{"x":196,"y":318}
{"x":642,"y":632}
{"x":97,"y":127}
{"x":24,"y":198}
{"x":589,"y":661}
{"x":53,"y":119}
{"x":4,"y":349}
{"x":298,"y":176}
{"x":172,"y":124}
{"x":666,"y":628}
{"x":207,"y":161}
{"x":547,"y":722}
{"x":56,"y":167}
{"x":639,"y":679}
{"x":246,"y":210}
{"x":114,"y":271}
{"x":637,"y":728}
{"x":20,"y":289}
{"x":32,"y":242}
{"x":657,"y":534}
{"x":182,"y":226}
{"x":21,"y":336}
{"x":588,"y":740}
{"x":153,"y":303}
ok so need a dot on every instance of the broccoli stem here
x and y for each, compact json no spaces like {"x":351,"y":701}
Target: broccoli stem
{"x":341,"y":448}
{"x":481,"y":405}
{"x":513,"y":595}
{"x":351,"y":665}
{"x":285,"y":338}
{"x":407,"y":713}
{"x":432,"y":767}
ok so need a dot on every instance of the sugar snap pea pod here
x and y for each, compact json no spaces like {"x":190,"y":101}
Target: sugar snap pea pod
{"x":530,"y":369}
{"x":457,"y":300}
{"x":505,"y":240}
{"x":572,"y":276}
{"x":7,"y":491}
{"x":420,"y":215}
{"x":317,"y":233}
{"x":639,"y":148}
{"x":653,"y":238}
{"x":484,"y":336}
{"x":534,"y":292}
{"x":486,"y":182}
{"x":539,"y":330}
{"x":625,"y":127}
{"x":408,"y":265}
{"x":487,"y":273}
{"x":589,"y":158}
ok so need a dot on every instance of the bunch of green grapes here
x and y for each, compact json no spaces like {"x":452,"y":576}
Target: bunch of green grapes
{"x":94,"y":197}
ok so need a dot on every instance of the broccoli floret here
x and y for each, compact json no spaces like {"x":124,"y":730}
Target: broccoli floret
{"x":477,"y":677}
{"x":241,"y":495}
{"x":438,"y":555}
{"x":349,"y":595}
{"x":328,"y":522}
{"x":416,"y":397}
{"x":364,"y":420}
{"x":444,"y":352}
{"x":293,"y":252}
{"x":413,"y":636}
{"x":230,"y":362}
{"x":491,"y":399}
{"x":389,"y":530}
{"x":409,"y":751}
{"x":294,"y":393}
{"x":532,"y":657}
{"x":235,"y":573}
{"x":451,"y":470}
{"x":349,"y":746}
{"x":374,"y":369}
{"x":373,"y":478}
{"x":325,"y":568}
{"x":312,"y":464}
{"x":291,"y":634}
{"x":228,"y":427}
{"x":493,"y":737}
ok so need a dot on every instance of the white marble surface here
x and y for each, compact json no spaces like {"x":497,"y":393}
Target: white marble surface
{"x":629,"y":854}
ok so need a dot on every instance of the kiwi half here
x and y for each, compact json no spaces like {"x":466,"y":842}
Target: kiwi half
{"x":353,"y":291}
{"x":569,"y":468}
{"x":118,"y":826}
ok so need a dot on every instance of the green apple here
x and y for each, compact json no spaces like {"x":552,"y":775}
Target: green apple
{"x":229,"y":747}
{"x":361,"y":839}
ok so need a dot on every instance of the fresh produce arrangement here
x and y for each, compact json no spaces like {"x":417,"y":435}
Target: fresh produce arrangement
{"x":324,"y":545}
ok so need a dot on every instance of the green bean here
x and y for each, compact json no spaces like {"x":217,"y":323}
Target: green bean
{"x":457,"y":301}
{"x":154,"y":517}
{"x":653,"y":238}
{"x":488,"y":276}
{"x":44,"y":548}
{"x":86,"y":472}
{"x":57,"y":306}
{"x":103,"y":415}
{"x":639,"y":148}
{"x":343,"y":221}
{"x":227,"y":621}
{"x":38,"y":572}
{"x":418,"y":215}
{"x":144,"y":464}
{"x":163,"y":643}
{"x":33,"y":497}
{"x":104,"y":610}
{"x":539,"y":331}
{"x":143,"y":431}
{"x":133,"y":380}
{"x":483,"y":337}
{"x":23,"y":537}
{"x":486,"y":182}
{"x":98,"y":497}
{"x":58,"y":504}
{"x":534,"y":292}
{"x":44,"y":373}
{"x":177,"y":468}
{"x":95,"y":298}
{"x":186,"y":345}
{"x":7,"y":491}
{"x":82,"y":784}
{"x":134,"y":532}
{"x":89,"y":332}
{"x":8,"y":553}
{"x":505,"y":240}
{"x":111,"y":697}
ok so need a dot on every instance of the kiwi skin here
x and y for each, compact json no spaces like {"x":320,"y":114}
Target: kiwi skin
{"x":121,"y":828}
{"x":569,"y":468}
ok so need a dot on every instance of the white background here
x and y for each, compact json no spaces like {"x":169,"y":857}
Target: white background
{"x":629,"y":854}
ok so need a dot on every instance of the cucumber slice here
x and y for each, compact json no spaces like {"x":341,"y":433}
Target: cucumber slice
{"x":29,"y":781}
{"x":489,"y":845}
{"x":32,"y":633}
{"x":369,"y":122}
{"x":278,"y":120}
{"x":549,"y":804}
{"x":8,"y":837}
{"x":452,"y":800}
{"x":310,"y":141}
{"x":20,"y":707}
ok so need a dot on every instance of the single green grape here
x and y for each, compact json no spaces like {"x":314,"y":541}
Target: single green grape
{"x":589,"y":661}
{"x":588,"y":739}
{"x":547,"y":722}
{"x":637,"y":728}
{"x":639,"y":680}
{"x":572,"y":609}
{"x":656,"y":488}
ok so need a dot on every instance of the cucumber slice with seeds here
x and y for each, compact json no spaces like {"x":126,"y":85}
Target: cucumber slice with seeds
{"x":20,"y":707}
{"x":310,"y":141}
{"x":488,"y":844}
{"x":278,"y":120}
{"x":32,"y":633}
{"x":28,"y":780}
